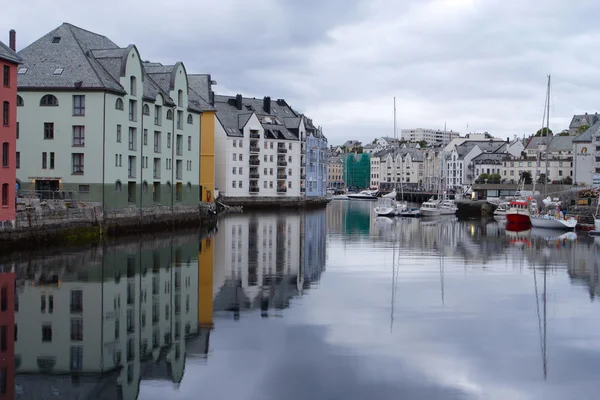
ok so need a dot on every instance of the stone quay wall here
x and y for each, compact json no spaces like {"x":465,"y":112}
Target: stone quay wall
{"x":274,"y":202}
{"x":41,"y":226}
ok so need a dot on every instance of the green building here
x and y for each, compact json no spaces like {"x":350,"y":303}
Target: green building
{"x":357,"y":170}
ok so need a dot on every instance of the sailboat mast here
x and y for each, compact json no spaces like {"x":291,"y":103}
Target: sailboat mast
{"x":547,"y":134}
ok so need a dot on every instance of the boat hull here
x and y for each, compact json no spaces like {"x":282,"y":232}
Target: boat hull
{"x":410,"y":213}
{"x":597,"y":224}
{"x":361,"y":197}
{"x":518,"y":218}
{"x":425,"y":212}
{"x":385,"y":211}
{"x":447,"y":211}
{"x":553,"y":223}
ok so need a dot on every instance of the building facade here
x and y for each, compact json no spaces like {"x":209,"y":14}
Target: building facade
{"x":315,"y":161}
{"x":260,"y":148}
{"x":9,"y":129}
{"x":335,"y":173}
{"x":431,"y":136}
{"x":99,"y":125}
{"x":357,"y":170}
{"x":586,"y":155}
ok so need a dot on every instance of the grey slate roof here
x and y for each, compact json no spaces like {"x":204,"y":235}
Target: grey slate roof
{"x":200,"y":83}
{"x":7,"y":54}
{"x":489,"y":158}
{"x":72,"y":52}
{"x":586,"y":136}
{"x":162,"y":76}
{"x":534,"y":142}
{"x":584,"y":119}
{"x":561,"y":143}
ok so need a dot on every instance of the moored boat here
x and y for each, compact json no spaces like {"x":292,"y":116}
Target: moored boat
{"x":364,"y":195}
{"x":518,"y":212}
{"x":501,"y":210}
{"x":553,"y":222}
{"x":430,"y":208}
{"x":386,"y":207}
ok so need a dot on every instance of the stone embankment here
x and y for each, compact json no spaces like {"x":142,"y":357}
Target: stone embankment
{"x":58,"y":225}
{"x":474,"y":209}
{"x":274,"y":202}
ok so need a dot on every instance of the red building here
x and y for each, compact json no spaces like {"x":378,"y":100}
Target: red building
{"x":9,"y":60}
{"x":7,"y":335}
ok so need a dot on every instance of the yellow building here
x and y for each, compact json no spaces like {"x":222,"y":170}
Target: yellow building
{"x":201,"y":93}
{"x":205,"y":283}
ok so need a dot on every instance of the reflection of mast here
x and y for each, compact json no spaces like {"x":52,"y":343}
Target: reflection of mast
{"x":394,"y":279}
{"x":542,"y":330}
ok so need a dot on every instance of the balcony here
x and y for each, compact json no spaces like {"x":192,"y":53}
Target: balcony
{"x":281,"y":176}
{"x":282,"y":163}
{"x":254,"y":135}
{"x":281,"y":149}
{"x":254,"y":149}
{"x":254,"y":175}
{"x":303,"y":177}
{"x":281,"y":189}
{"x":254,"y":161}
{"x":254,"y":189}
{"x":302,"y":190}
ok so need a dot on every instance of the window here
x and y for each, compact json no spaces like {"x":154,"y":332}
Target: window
{"x":76,"y":301}
{"x":233,"y":184}
{"x":3,"y":299}
{"x":168,"y":140}
{"x":132,"y":141}
{"x":146,"y":109}
{"x":189,"y":143}
{"x":46,"y":333}
{"x":84,"y":188}
{"x":50,"y":304}
{"x":76,"y":357}
{"x":118,"y":187}
{"x":5,"y":154}
{"x":157,"y":115}
{"x":51,"y":160}
{"x":180,"y":98}
{"x":132,"y":86}
{"x":119,"y":104}
{"x":145,"y":137}
{"x":44,"y":160}
{"x":6,"y":75}
{"x":5,"y":113}
{"x":49,"y":101}
{"x":179,"y":145}
{"x":179,"y":119}
{"x":76,"y":329}
{"x":118,"y":133}
{"x":79,"y":105}
{"x":3,"y":338}
{"x":170,"y":115}
{"x":17,"y":129}
{"x":132,"y":110}
{"x":78,"y":136}
{"x":20,"y":102}
{"x":18,"y":160}
{"x":48,"y":130}
{"x":5,"y":194}
{"x":77,"y":159}
{"x":190,"y":119}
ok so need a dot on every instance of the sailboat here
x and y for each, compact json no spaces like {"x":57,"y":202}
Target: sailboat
{"x":553,"y":218}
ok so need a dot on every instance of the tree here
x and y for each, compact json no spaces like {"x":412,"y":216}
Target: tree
{"x":526,"y":175}
{"x":494,"y":178}
{"x":542,"y":179}
{"x":358,"y":149}
{"x":564,"y":133}
{"x":568,"y":181}
{"x":543,"y":132}
{"x":583,"y":128}
{"x":422,"y":143}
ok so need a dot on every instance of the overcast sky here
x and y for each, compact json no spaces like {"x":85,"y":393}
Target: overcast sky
{"x":475,"y":63}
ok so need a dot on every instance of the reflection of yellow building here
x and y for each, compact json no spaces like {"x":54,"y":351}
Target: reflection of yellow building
{"x":205,"y":283}
{"x":207,"y":155}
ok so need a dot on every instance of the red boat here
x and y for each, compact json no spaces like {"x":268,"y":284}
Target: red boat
{"x":518,"y":212}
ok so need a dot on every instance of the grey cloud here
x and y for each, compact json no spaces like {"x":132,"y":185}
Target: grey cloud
{"x":457,"y":60}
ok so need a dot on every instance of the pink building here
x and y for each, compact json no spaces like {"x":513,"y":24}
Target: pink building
{"x":9,"y":60}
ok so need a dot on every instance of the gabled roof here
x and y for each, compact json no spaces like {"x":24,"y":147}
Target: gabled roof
{"x":584,"y":119}
{"x":586,"y":136}
{"x":534,"y":142}
{"x":561,"y":143}
{"x":7,"y":54}
{"x":484,"y":158}
{"x":200,"y":88}
{"x":68,"y":48}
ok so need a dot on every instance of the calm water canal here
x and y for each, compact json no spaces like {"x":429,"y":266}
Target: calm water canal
{"x":329,"y":304}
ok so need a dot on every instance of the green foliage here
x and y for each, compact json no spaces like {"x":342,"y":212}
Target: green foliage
{"x":543,"y":132}
{"x":526,"y":175}
{"x":583,"y":128}
{"x":422,"y":143}
{"x":489,"y":178}
{"x":542,"y":179}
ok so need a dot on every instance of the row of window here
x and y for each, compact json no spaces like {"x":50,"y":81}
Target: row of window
{"x":239,"y":184}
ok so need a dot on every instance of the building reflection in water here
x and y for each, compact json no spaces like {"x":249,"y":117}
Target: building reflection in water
{"x":263,"y":260}
{"x":96,"y":323}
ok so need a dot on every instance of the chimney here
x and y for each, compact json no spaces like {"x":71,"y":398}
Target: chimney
{"x":238,"y":101}
{"x":267,"y":104}
{"x":12,"y":40}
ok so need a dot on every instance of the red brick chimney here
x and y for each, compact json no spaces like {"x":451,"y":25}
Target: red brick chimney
{"x":12,"y":40}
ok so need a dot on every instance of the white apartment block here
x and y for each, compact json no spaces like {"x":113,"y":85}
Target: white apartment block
{"x":431,"y":136}
{"x":97,"y":124}
{"x":393,"y":167}
{"x":259,"y":148}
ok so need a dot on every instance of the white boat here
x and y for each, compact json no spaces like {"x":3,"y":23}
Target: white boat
{"x":430,"y":208}
{"x":391,"y":195}
{"x":339,"y":197}
{"x":364,"y":195}
{"x":553,"y":222}
{"x":447,"y":207}
{"x":386,"y":207}
{"x":501,"y":210}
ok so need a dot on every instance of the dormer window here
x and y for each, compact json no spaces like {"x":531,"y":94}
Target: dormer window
{"x":22,"y":70}
{"x":132,"y":85}
{"x":58,"y":71}
{"x":56,"y":39}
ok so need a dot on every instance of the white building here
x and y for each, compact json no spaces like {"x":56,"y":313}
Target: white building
{"x":99,"y":125}
{"x":393,"y":167}
{"x":458,"y":162}
{"x":586,"y":155}
{"x":258,"y":148}
{"x":431,"y":136}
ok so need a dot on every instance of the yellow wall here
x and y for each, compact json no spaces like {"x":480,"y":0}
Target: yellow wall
{"x":207,"y":155}
{"x":205,"y":283}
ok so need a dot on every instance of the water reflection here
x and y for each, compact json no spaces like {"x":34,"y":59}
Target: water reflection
{"x":408,"y":309}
